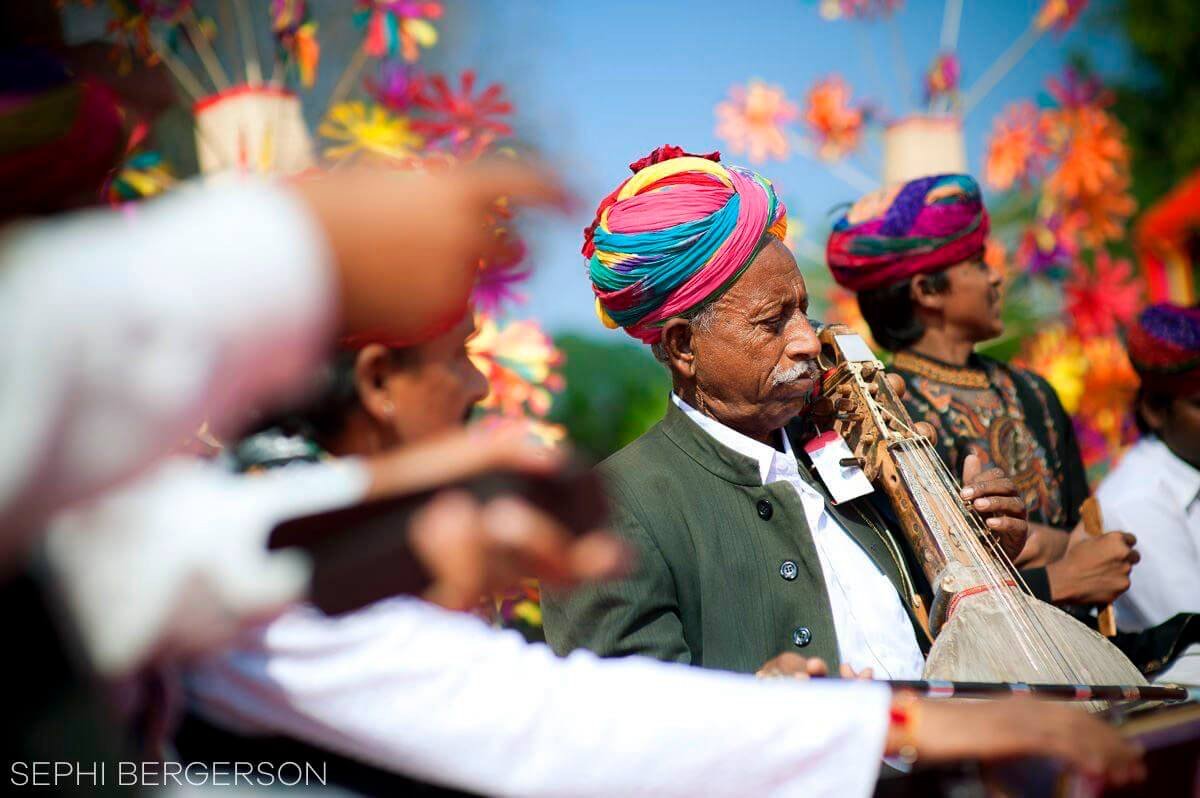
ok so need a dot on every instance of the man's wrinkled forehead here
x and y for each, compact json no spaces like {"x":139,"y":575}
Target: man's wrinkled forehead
{"x":773,"y":277}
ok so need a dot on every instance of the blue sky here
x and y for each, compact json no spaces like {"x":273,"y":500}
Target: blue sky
{"x":598,"y":84}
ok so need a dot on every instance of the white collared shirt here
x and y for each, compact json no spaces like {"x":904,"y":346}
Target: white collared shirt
{"x":873,"y":630}
{"x":1155,"y":495}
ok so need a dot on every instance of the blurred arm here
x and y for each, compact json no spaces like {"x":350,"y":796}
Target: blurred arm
{"x":122,"y":333}
{"x":440,"y":696}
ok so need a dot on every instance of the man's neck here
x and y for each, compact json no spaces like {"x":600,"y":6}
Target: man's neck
{"x":696,"y":399}
{"x":945,"y":346}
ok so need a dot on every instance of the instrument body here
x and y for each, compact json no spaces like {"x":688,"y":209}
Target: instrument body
{"x":985,"y":623}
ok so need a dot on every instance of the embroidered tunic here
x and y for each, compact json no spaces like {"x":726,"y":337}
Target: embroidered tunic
{"x":1011,"y":418}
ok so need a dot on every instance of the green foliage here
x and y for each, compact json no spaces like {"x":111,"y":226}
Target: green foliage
{"x":615,"y":392}
{"x":1160,"y":104}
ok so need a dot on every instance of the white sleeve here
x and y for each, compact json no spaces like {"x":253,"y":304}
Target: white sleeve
{"x":121,"y":331}
{"x":1166,"y":580}
{"x":406,"y":686}
{"x":176,"y":562}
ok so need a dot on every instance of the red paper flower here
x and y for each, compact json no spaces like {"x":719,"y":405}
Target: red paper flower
{"x":469,"y":123}
{"x":1101,"y":299}
{"x":835,"y":123}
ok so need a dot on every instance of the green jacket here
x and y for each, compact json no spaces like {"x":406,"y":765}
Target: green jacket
{"x":716,"y":547}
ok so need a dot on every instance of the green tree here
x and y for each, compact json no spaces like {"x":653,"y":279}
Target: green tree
{"x":1159,"y":103}
{"x":615,"y":392}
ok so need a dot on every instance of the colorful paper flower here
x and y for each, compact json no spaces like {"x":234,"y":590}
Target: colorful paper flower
{"x":398,"y":26}
{"x":942,"y":77}
{"x":500,"y":273}
{"x":1057,"y":354}
{"x":1074,"y":90}
{"x":1016,"y":150}
{"x":753,"y":120}
{"x":518,"y":361}
{"x":359,"y":129}
{"x":1089,"y":147}
{"x":396,"y":85}
{"x":467,"y":122}
{"x":858,"y":9}
{"x":1101,"y":217}
{"x":296,"y":35}
{"x":1111,"y":386}
{"x":1059,"y":14}
{"x":1101,"y":299}
{"x":141,"y":176}
{"x":835,"y":124}
{"x":1048,"y":245}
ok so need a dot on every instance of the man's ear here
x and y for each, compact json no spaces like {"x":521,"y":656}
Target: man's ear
{"x":370,"y":381}
{"x":677,"y":342}
{"x":1153,"y":414}
{"x":924,"y":296}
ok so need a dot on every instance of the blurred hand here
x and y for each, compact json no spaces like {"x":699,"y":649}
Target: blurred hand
{"x":946,"y":731}
{"x":407,"y":245}
{"x":472,"y":550}
{"x":1095,"y":570}
{"x":1044,"y":545}
{"x":799,"y":667}
{"x":994,"y":495}
{"x":462,"y":454}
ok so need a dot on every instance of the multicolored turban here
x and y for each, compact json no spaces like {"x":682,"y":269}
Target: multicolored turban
{"x":922,"y":226}
{"x":1164,"y":348}
{"x":675,"y":236}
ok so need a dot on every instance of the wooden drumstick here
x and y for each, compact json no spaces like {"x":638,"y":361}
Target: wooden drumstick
{"x":1093,"y":524}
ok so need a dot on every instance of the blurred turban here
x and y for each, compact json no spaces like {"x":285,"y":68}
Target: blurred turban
{"x":60,"y":135}
{"x":675,"y":236}
{"x":922,"y":226}
{"x":1164,"y":348}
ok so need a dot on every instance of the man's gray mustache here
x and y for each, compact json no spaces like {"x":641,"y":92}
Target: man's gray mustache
{"x":802,"y":370}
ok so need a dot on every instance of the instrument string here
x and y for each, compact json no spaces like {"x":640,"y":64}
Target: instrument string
{"x":951,"y":515}
{"x":973,"y":536}
{"x":978,"y":532}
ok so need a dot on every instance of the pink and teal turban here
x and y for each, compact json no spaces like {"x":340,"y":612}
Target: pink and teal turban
{"x":675,"y":236}
{"x":922,"y":226}
{"x":1164,"y":348}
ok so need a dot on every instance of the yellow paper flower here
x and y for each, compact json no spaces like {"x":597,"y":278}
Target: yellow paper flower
{"x":368,"y":130}
{"x":753,"y":121}
{"x":1058,"y":355}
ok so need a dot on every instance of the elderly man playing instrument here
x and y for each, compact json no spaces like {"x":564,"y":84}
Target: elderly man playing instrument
{"x":746,"y":561}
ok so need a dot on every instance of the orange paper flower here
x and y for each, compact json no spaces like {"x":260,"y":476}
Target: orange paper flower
{"x":836,"y":125}
{"x":1090,"y":148}
{"x":1100,"y":299}
{"x":753,"y":121}
{"x":1016,"y":150}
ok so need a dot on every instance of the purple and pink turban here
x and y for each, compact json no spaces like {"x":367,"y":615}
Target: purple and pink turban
{"x":1164,"y":348}
{"x":925,"y":225}
{"x":674,"y":236}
